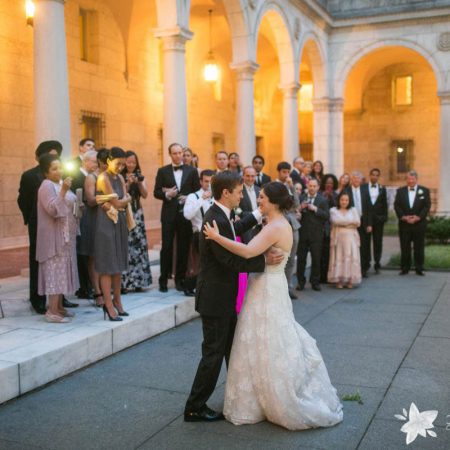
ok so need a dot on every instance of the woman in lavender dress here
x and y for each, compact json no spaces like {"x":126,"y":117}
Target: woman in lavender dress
{"x":56,"y":239}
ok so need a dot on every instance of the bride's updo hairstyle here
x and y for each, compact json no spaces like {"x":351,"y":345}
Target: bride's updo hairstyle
{"x":278,"y":194}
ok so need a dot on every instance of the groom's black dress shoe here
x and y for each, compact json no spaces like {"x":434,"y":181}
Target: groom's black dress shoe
{"x":204,"y":414}
{"x":316,"y":287}
{"x":420,"y":272}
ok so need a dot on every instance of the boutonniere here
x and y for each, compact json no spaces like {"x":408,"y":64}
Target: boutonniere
{"x":237,"y":211}
{"x":420,"y":191}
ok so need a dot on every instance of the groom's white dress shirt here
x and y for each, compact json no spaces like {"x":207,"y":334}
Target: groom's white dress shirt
{"x":412,"y":195}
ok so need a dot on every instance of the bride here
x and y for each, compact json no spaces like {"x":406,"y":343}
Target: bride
{"x":276,"y":371}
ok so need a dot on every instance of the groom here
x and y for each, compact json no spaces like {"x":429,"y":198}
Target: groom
{"x":217,"y":288}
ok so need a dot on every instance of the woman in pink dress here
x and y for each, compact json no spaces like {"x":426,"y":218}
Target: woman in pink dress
{"x":345,"y":265}
{"x":56,"y":239}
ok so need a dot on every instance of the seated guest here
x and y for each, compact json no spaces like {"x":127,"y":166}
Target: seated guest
{"x":221,"y":161}
{"x":111,"y":234}
{"x":27,"y":201}
{"x":194,"y":210}
{"x":317,"y":171}
{"x":234,"y":163}
{"x":261,"y":178}
{"x":328,"y":190}
{"x":138,"y":275}
{"x":56,"y":239}
{"x":412,"y":205}
{"x":249,"y":201}
{"x":345,"y":265}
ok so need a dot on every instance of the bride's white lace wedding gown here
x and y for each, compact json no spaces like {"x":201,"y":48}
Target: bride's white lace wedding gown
{"x":276,"y":371}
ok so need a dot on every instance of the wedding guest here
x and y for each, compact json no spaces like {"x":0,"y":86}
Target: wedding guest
{"x":307,"y":171}
{"x":343,"y":183}
{"x":30,"y":182}
{"x":196,"y":161}
{"x":297,"y":171}
{"x":194,"y":210}
{"x":412,"y":205}
{"x":249,"y":200}
{"x":345,"y":265}
{"x":85,"y":240}
{"x":298,"y":188}
{"x":89,"y":221}
{"x":234,"y":163}
{"x":138,"y":275}
{"x":328,"y":188}
{"x":85,"y":145}
{"x":360,"y":199}
{"x":261,"y":178}
{"x":56,"y":239}
{"x":111,"y":234}
{"x":188,"y":157}
{"x":317,"y":171}
{"x":88,"y":166}
{"x":315,"y":213}
{"x":174,"y":182}
{"x":221,"y":161}
{"x":284,"y":170}
{"x":378,"y":208}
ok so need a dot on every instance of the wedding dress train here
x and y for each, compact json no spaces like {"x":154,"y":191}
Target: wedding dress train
{"x":276,"y":371}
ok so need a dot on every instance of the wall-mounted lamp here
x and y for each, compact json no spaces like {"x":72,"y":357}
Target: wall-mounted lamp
{"x":211,"y":68}
{"x":29,"y":11}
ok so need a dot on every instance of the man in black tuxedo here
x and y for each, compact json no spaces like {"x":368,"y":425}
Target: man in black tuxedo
{"x":174,"y":183}
{"x":217,"y":288}
{"x":249,"y":201}
{"x":360,"y":199}
{"x":222,"y":161}
{"x":27,"y":200}
{"x":412,"y":205}
{"x":315,"y":212}
{"x":261,"y":178}
{"x":378,"y":211}
{"x":84,"y":146}
{"x":297,"y":171}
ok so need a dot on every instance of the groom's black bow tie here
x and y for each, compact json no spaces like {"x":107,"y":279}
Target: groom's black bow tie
{"x":177,"y":167}
{"x":412,"y":189}
{"x":374,"y":186}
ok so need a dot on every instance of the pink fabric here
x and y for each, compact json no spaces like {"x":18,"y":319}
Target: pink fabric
{"x":242,"y":287}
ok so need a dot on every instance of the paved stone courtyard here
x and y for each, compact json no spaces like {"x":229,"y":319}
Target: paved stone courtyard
{"x":389,"y":340}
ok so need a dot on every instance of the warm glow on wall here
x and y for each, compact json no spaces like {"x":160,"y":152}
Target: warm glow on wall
{"x":305,"y":98}
{"x":29,"y":11}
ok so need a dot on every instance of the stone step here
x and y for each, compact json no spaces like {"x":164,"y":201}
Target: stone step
{"x":34,"y":352}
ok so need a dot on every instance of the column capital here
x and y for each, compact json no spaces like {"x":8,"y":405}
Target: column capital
{"x":328,"y":104}
{"x":245,"y":70}
{"x":290,"y":90}
{"x":444,"y":97}
{"x":174,"y":38}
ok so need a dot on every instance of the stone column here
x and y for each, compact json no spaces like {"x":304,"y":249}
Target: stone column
{"x":175,"y":102}
{"x":245,"y":117}
{"x":290,"y":122}
{"x":444,"y":156}
{"x":51,"y":86}
{"x":329,"y":133}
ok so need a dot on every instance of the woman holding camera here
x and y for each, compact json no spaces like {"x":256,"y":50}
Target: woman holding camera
{"x":138,"y":275}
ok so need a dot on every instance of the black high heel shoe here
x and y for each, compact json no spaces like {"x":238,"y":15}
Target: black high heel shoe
{"x":123,"y":313}
{"x":111,"y":318}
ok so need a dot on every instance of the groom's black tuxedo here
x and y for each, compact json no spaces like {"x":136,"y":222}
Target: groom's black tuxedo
{"x":217,"y":288}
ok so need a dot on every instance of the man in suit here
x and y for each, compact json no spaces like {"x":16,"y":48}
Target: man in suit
{"x":27,"y":200}
{"x":222,"y":161}
{"x":78,"y":174}
{"x":217,"y":288}
{"x":315,"y":212}
{"x":261,"y":178}
{"x":174,"y":182}
{"x":249,"y":201}
{"x":297,"y":171}
{"x":412,"y":205}
{"x":360,"y":199}
{"x":284,"y":169}
{"x":378,"y":210}
{"x":85,"y":145}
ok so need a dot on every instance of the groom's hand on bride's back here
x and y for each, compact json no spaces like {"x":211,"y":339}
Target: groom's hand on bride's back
{"x":273,"y":256}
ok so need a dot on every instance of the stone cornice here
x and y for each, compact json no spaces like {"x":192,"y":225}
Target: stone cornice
{"x":174,"y":39}
{"x":245,"y":70}
{"x":290,"y":90}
